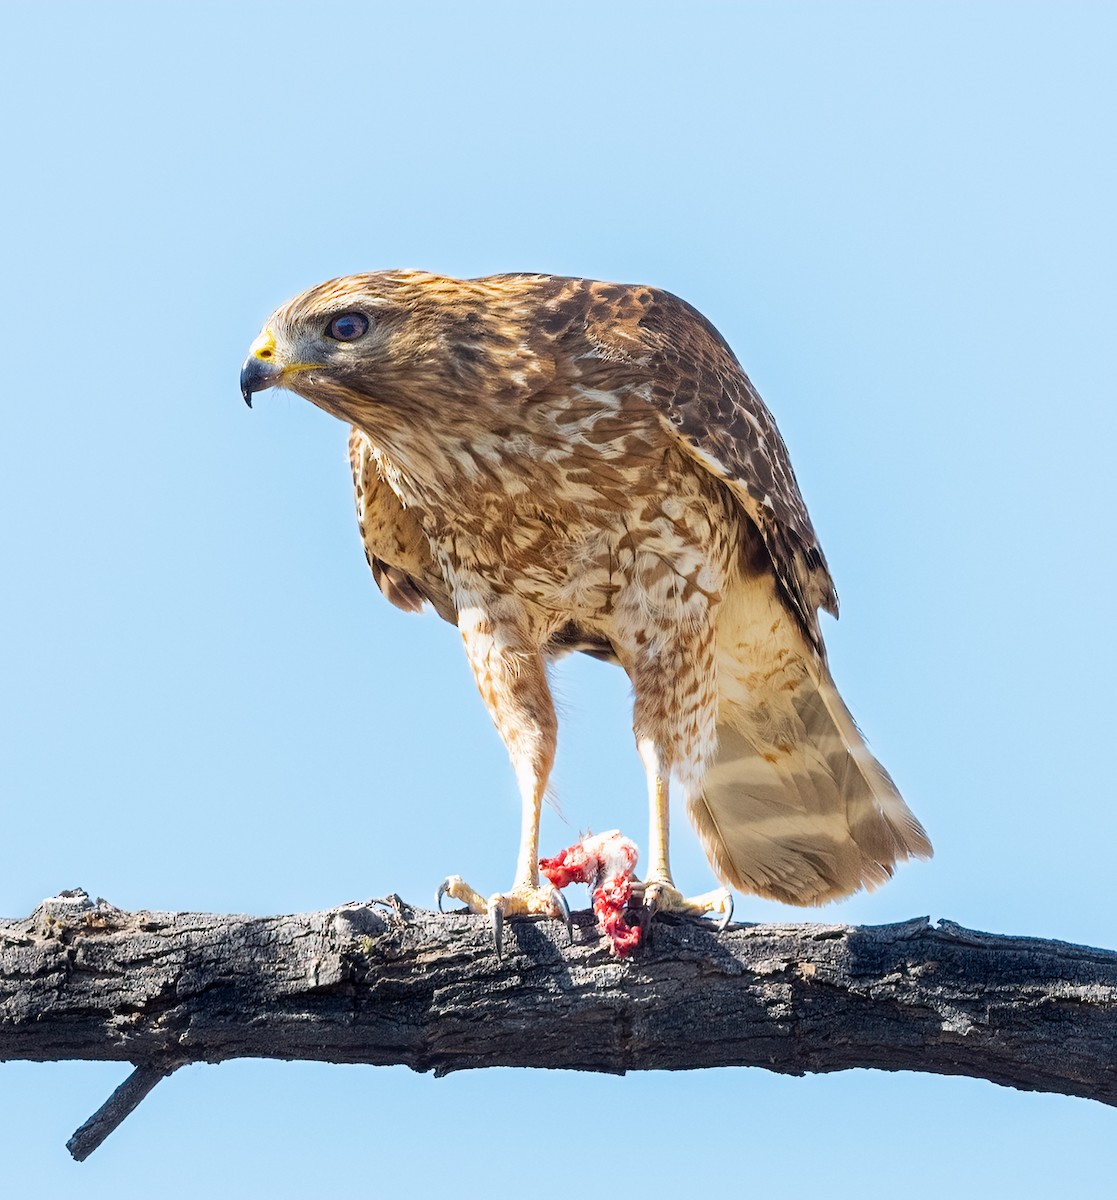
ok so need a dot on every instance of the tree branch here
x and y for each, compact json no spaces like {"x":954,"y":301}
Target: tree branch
{"x":89,"y":1136}
{"x":383,"y":983}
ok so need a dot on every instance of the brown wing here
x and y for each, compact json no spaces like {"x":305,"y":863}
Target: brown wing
{"x":704,"y":397}
{"x":398,"y":553}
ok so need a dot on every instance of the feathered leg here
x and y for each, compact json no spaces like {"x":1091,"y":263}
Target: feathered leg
{"x":674,"y":719}
{"x":512,"y":679}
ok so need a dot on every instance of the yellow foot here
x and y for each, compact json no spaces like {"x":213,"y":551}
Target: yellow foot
{"x":659,"y":895}
{"x":521,"y":901}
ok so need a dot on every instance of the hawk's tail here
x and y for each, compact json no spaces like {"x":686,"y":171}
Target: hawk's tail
{"x":794,"y":806}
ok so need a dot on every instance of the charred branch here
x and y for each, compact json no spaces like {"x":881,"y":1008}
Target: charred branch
{"x":383,"y":983}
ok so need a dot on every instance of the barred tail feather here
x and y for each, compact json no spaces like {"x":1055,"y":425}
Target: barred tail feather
{"x":794,"y":806}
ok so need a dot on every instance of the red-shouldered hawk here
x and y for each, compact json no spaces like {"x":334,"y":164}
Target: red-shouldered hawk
{"x":562,"y":464}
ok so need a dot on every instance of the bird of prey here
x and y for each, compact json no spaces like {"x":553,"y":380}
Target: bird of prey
{"x":563,"y":465}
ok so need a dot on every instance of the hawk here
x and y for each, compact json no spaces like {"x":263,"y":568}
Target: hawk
{"x":560,"y":465}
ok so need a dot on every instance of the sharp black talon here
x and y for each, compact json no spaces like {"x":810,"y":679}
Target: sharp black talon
{"x":443,"y":889}
{"x":723,"y":924}
{"x":560,"y":900}
{"x":496,"y":917}
{"x":644,"y":916}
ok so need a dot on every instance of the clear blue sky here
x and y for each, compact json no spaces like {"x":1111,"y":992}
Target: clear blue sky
{"x":902,"y":218}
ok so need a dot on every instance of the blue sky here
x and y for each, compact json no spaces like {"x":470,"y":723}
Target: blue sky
{"x":901,"y":217}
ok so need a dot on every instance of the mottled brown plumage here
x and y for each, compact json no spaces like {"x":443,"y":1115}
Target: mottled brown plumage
{"x":560,"y":464}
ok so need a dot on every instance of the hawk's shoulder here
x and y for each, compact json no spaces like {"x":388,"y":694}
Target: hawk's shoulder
{"x":652,"y":339}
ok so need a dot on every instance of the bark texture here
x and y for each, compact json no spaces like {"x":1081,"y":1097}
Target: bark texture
{"x":385,"y":983}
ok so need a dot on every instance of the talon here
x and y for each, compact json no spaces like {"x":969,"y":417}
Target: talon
{"x":564,"y":913}
{"x":523,"y":900}
{"x":723,"y":924}
{"x":457,"y":889}
{"x":660,"y":897}
{"x":647,"y":926}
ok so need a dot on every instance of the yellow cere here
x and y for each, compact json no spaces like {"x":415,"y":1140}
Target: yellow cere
{"x":264,"y":346}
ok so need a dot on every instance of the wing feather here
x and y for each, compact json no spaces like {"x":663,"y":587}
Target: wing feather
{"x":654,"y":341}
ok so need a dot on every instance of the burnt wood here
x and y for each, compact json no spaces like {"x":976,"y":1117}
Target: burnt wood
{"x":384,"y":983}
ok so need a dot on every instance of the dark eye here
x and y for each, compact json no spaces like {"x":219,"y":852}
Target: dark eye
{"x":348,"y":327}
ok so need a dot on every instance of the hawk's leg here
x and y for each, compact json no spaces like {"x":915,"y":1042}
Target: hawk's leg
{"x":674,"y":719}
{"x":657,"y":892}
{"x":512,"y":679}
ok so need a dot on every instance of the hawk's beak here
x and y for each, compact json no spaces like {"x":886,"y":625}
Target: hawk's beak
{"x":261,"y":368}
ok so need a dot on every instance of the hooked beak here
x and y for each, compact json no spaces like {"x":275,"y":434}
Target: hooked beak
{"x":260,"y":370}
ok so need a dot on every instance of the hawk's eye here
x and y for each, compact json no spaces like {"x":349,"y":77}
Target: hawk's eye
{"x":348,"y":327}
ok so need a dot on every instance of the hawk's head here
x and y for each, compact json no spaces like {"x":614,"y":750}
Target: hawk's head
{"x":394,"y":338}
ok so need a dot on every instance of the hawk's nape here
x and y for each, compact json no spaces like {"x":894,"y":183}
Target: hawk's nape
{"x":561,"y":464}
